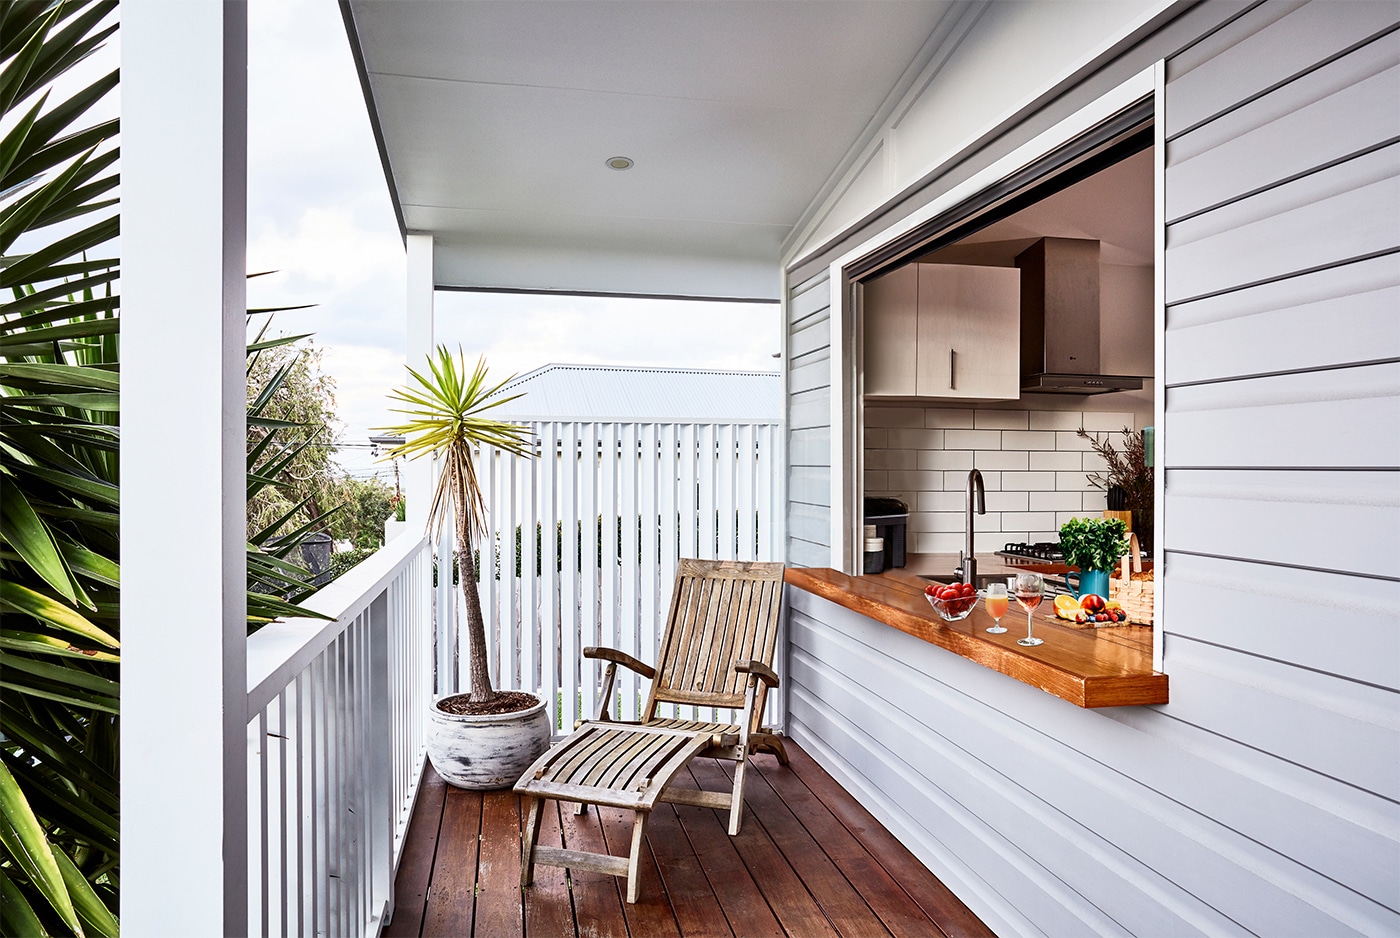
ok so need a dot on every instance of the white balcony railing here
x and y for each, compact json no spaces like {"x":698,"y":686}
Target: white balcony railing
{"x":583,"y":542}
{"x":336,"y":747}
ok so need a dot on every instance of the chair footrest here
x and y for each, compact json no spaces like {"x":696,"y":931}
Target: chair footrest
{"x":702,"y":799}
{"x":580,"y":860}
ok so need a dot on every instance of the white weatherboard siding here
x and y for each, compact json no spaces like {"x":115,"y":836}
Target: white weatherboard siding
{"x":808,"y":357}
{"x":1263,"y":798}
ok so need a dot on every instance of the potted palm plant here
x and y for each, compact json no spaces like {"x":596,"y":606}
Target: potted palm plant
{"x":485,"y":738}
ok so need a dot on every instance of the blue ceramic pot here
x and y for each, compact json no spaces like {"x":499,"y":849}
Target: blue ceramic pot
{"x":1090,"y":581}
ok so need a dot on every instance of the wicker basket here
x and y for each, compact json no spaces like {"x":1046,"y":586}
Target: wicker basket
{"x":1133,"y":589}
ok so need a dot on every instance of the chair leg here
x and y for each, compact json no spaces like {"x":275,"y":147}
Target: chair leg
{"x":580,"y":807}
{"x":736,"y":800}
{"x":531,"y":838}
{"x":771,"y":742}
{"x":634,"y":859}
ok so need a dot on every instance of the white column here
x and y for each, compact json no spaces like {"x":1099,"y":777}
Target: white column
{"x":184,"y":657}
{"x":418,"y":473}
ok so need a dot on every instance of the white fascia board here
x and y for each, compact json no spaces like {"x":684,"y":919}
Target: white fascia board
{"x":1115,"y":44}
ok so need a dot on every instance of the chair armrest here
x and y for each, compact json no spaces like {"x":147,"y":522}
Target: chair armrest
{"x":758,"y":669}
{"x":620,"y":657}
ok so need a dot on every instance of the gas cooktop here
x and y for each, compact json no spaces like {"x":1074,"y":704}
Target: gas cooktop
{"x":1043,"y":551}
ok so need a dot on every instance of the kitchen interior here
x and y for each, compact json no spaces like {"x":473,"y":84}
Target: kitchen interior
{"x":990,"y":354}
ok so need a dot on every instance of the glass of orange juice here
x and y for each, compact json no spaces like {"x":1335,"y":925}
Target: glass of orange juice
{"x":996,"y":603}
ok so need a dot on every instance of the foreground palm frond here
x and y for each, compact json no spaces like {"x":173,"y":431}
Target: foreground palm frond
{"x":59,"y":385}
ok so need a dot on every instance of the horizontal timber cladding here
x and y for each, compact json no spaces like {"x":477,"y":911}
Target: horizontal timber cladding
{"x":1262,"y":799}
{"x":808,"y":371}
{"x":1046,"y":818}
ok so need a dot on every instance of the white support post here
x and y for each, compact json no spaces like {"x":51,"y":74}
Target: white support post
{"x":418,"y":473}
{"x":184,"y":656}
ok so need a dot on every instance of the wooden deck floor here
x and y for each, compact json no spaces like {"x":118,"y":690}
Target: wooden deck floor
{"x":809,"y":862}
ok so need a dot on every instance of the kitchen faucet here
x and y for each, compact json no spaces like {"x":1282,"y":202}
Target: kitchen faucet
{"x":969,"y":560}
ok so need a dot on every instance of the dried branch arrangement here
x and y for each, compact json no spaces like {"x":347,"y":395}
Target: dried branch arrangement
{"x":1127,"y":470}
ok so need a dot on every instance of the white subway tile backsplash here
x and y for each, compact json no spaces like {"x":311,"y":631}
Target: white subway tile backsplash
{"x":986,"y":542}
{"x":891,"y":459}
{"x":1055,"y":419}
{"x":1030,"y":520}
{"x":1069,"y":481}
{"x":1107,"y":420}
{"x":1093,"y":462}
{"x":1056,"y":501}
{"x":1055,"y":462}
{"x":943,"y":521}
{"x":1007,"y":501}
{"x":894,"y":417}
{"x":916,"y":439}
{"x":946,"y":501}
{"x":943,"y":543}
{"x":1029,"y":481}
{"x":999,"y":460}
{"x":956,"y":481}
{"x":915,"y":479}
{"x":945,"y":459}
{"x":999,"y":419}
{"x":936,"y":417}
{"x":1034,"y":466}
{"x":972,"y":439}
{"x":1028,"y":439}
{"x":1069,"y":440}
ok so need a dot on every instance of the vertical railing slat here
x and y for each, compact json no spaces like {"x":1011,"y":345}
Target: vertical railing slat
{"x":746,"y":463}
{"x":627,"y":618}
{"x":611,"y":521}
{"x":648,"y":464}
{"x":590,"y":564}
{"x":725,"y":501}
{"x":570,"y":646}
{"x":546,"y":623}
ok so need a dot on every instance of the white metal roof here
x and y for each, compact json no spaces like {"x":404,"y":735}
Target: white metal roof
{"x":496,"y":120}
{"x":616,"y":394}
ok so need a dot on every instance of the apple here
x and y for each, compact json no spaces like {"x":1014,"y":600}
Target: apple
{"x":1092,"y":602}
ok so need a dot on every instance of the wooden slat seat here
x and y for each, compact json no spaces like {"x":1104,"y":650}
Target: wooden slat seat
{"x":717,"y":651}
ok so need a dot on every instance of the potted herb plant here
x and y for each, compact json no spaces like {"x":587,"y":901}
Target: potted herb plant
{"x":485,"y":738}
{"x":1094,"y":545}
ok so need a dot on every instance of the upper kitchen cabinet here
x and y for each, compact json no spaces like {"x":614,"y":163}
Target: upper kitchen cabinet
{"x":943,"y":331}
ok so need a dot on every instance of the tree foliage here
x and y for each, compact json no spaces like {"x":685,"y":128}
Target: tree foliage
{"x":292,"y":388}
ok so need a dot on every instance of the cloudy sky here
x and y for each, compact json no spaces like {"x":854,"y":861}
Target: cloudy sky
{"x":320,"y":215}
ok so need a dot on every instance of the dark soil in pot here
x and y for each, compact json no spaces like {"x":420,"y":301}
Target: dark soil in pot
{"x":506,"y":701}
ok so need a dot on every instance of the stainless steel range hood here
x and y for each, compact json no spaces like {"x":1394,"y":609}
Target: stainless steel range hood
{"x":1060,"y":320}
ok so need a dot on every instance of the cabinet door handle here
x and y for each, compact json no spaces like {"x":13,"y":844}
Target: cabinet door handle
{"x":952,"y":370}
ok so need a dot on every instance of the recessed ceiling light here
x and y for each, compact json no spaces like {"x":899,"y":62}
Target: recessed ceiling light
{"x":619,"y":162}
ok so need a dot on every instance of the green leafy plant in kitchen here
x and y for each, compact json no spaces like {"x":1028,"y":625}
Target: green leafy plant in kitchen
{"x":1093,"y":543}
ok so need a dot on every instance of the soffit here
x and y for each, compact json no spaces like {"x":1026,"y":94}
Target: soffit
{"x":497,"y":119}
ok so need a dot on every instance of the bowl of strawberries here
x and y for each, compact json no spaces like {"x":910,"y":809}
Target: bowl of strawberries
{"x":952,"y":601}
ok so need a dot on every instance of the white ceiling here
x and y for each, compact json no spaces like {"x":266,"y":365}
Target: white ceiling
{"x":498,"y":118}
{"x":1113,"y":207}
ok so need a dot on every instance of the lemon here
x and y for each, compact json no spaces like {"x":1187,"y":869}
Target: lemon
{"x":1066,"y":607}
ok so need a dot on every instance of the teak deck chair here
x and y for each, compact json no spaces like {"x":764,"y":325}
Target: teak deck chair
{"x":717,"y":652}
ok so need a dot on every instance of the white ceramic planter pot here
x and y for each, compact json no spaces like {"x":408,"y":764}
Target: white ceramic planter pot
{"x":482,"y":753}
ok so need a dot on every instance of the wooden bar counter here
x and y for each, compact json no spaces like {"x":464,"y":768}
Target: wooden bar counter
{"x":1107,"y":667}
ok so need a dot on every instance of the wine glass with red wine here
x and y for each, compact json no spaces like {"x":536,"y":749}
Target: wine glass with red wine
{"x":1030,"y":590}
